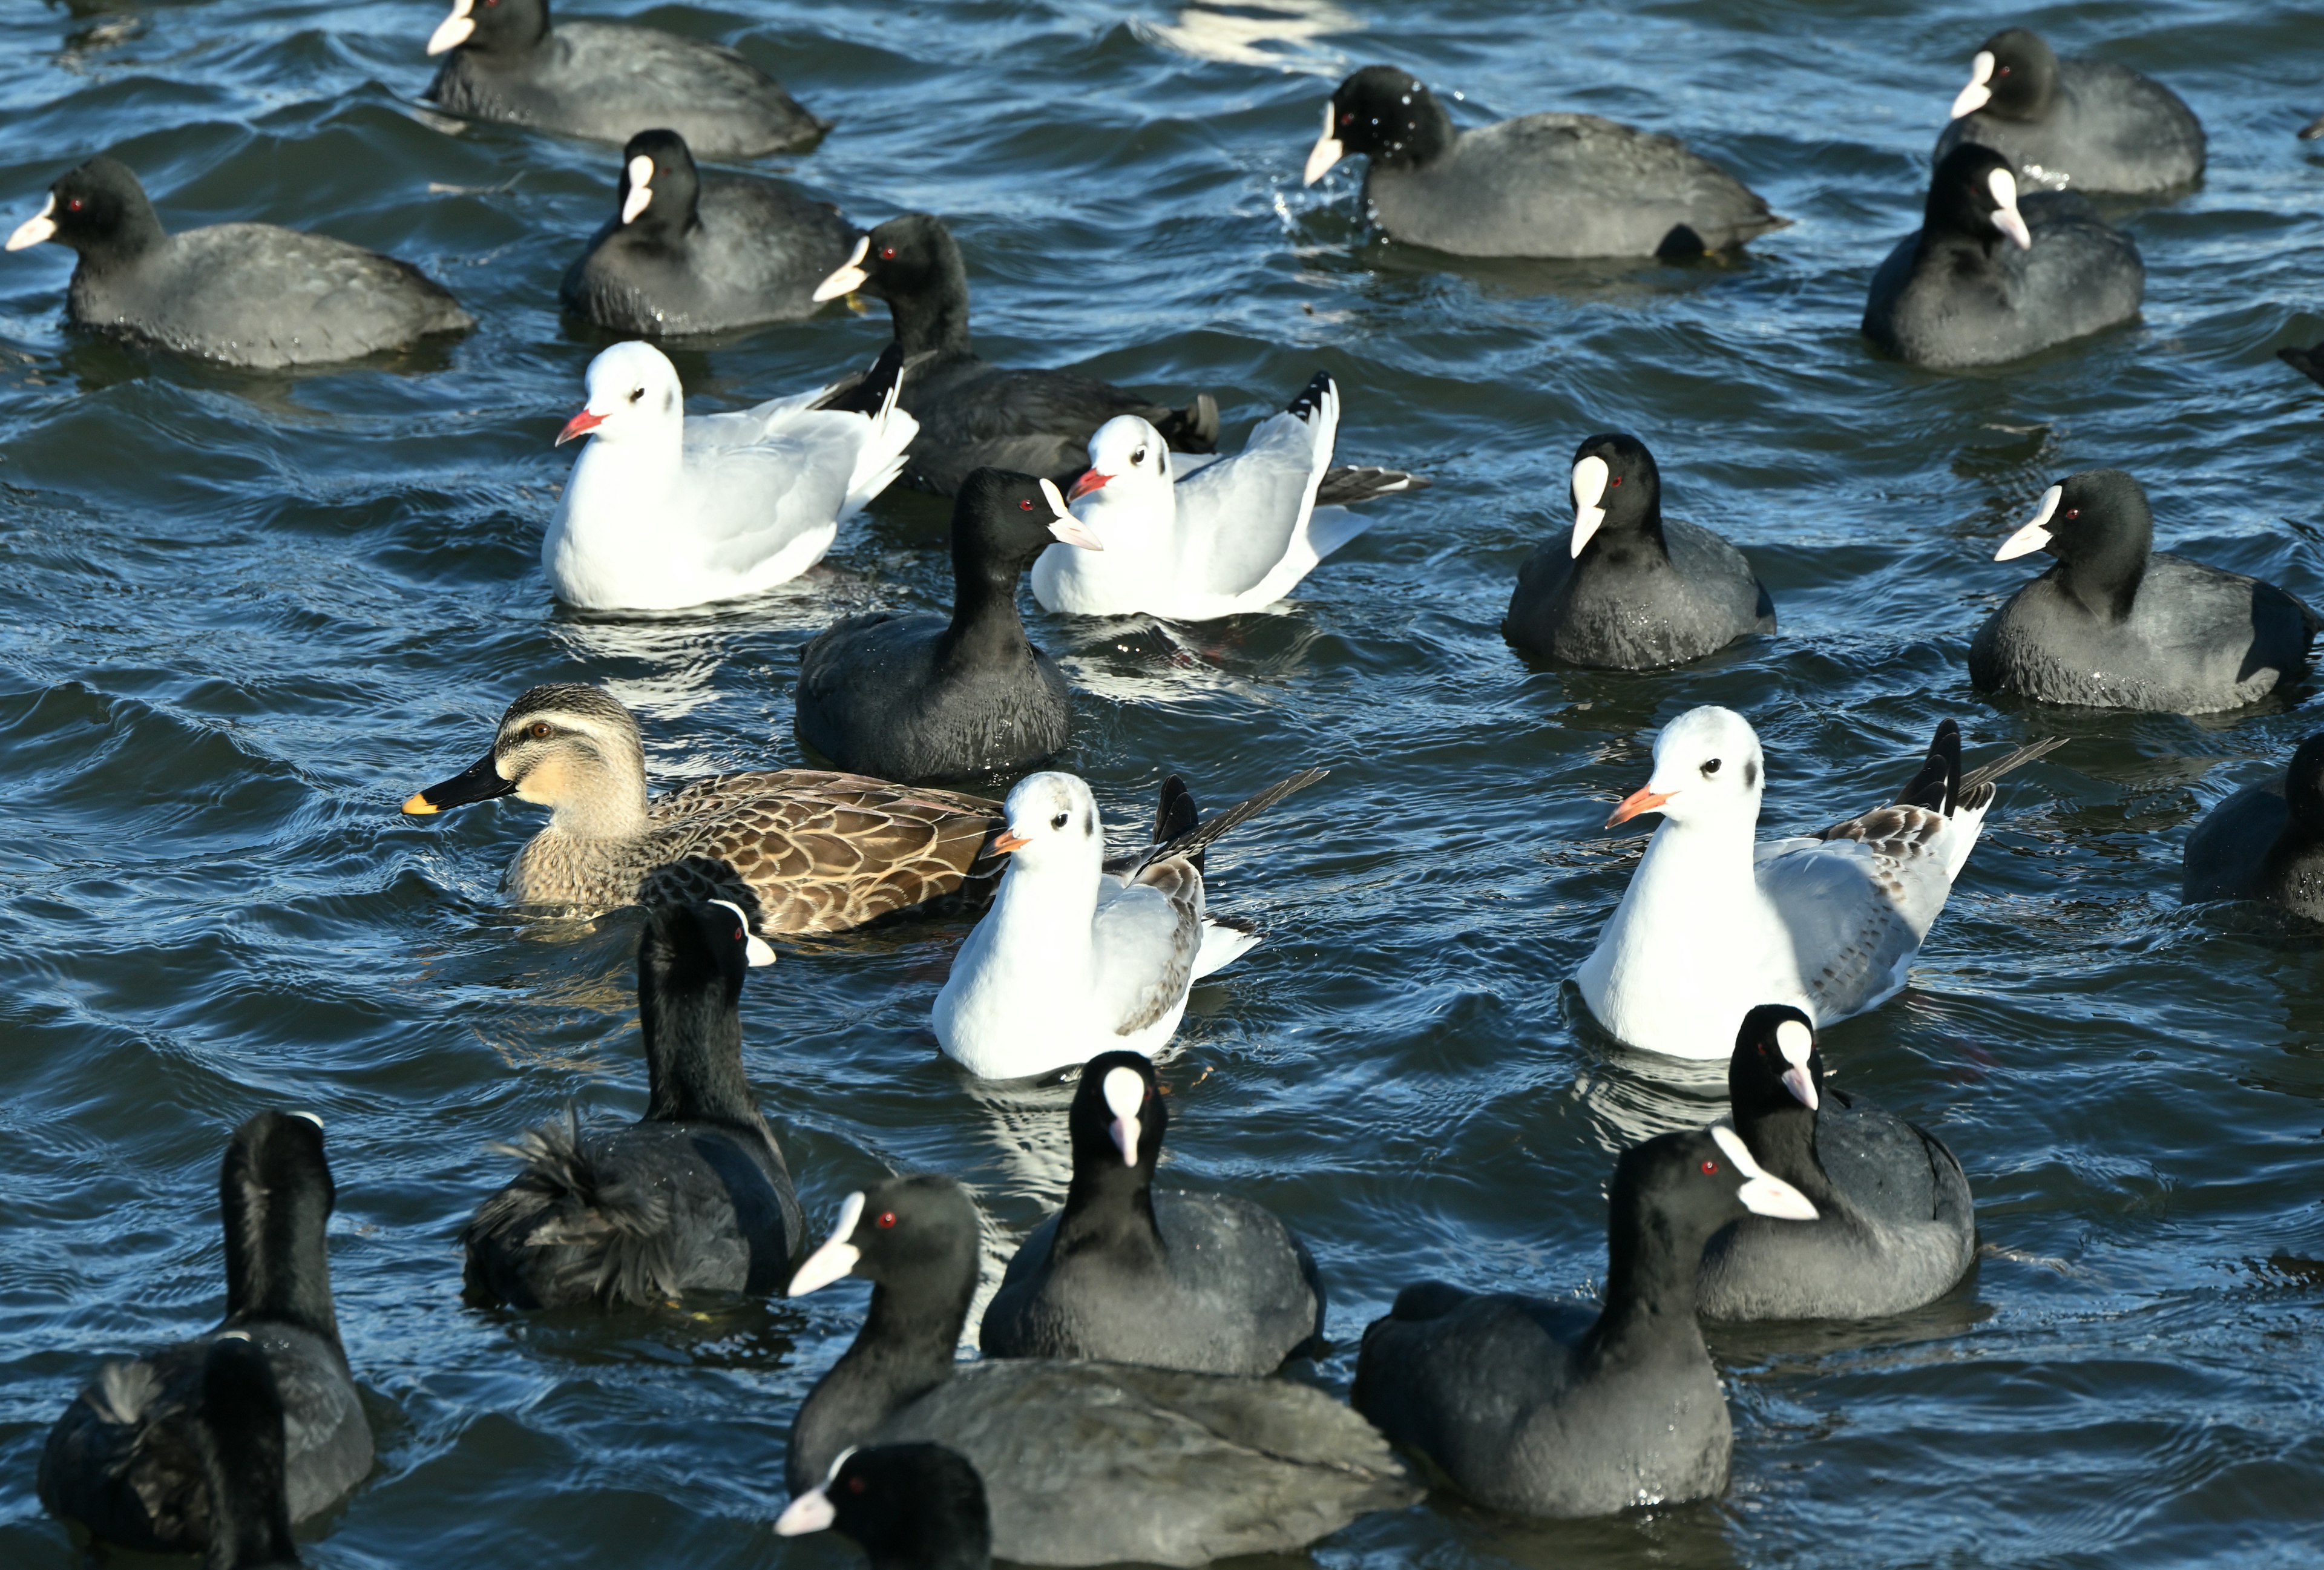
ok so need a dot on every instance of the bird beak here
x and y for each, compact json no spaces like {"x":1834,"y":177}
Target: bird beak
{"x":1064,"y":524}
{"x":1977,"y":95}
{"x":479,"y":781}
{"x":1640,"y":801}
{"x":579,"y":426}
{"x":1762,"y":1193}
{"x":1005,"y":842}
{"x":453,"y":29}
{"x":1090,"y":480}
{"x":2035,"y":535}
{"x":1590,"y":477}
{"x":1327,"y":152}
{"x":1125,"y":1132}
{"x":810,"y":1512}
{"x":849,"y":275}
{"x":641,"y":189}
{"x":39,"y":227}
{"x":2005,"y":217}
{"x":1803,"y":1088}
{"x":836,"y":1257}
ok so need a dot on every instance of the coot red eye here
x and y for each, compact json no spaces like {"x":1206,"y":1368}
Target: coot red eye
{"x":855,"y":1485}
{"x":1025,"y":506}
{"x":2073,"y":512}
{"x":887,"y":253}
{"x":1708,"y":1167}
{"x":1617,"y":480}
{"x":887,"y":1218}
{"x":73,"y":206}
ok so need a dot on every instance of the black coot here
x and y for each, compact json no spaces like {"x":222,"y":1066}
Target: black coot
{"x":908,"y":1507}
{"x":126,"y":1460}
{"x":2087,"y":124}
{"x":974,"y":414}
{"x":607,"y":81}
{"x":1128,"y":1272}
{"x":694,"y":1196}
{"x":1545,"y":1409}
{"x":2118,"y":624}
{"x":1542,"y":185}
{"x":2266,"y":841}
{"x":1084,"y":1463}
{"x":239,"y":1430}
{"x":1628,"y":589}
{"x":1990,"y":277}
{"x":243,"y":294}
{"x":685,"y":253}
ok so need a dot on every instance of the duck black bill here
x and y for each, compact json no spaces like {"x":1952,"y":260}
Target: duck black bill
{"x":479,"y":781}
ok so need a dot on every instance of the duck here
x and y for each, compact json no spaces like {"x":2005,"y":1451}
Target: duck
{"x":1168,"y":1277}
{"x":239,"y":1434}
{"x":908,"y":1507}
{"x":124,"y":1462}
{"x":1547,"y":186}
{"x":1083,"y":1462}
{"x":665,"y":511}
{"x":252,"y":295}
{"x":1988,"y":278}
{"x":1895,"y":1227}
{"x":2087,"y":124}
{"x":2266,"y":841}
{"x":1195,"y":540}
{"x":974,"y":414}
{"x":806,"y":851}
{"x":694,"y":1196}
{"x":685,"y":253}
{"x":1628,"y":589}
{"x":1075,"y":958}
{"x":1541,"y":1408}
{"x":921,"y":697}
{"x":606,"y":81}
{"x":2116,"y":623}
{"x":1713,"y":924}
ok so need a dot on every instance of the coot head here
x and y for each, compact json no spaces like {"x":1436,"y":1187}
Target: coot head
{"x":659,"y":185}
{"x":910,"y":255}
{"x":1776,"y":1067}
{"x":275,"y":1195}
{"x":1680,"y":1188}
{"x":895,"y":1233}
{"x":2012,"y":76}
{"x":1708,"y":769}
{"x":1973,"y":195}
{"x":1617,"y":488}
{"x":1052,"y":824}
{"x":1001,"y":520}
{"x":1384,"y":114}
{"x":702,"y":949}
{"x":1119,"y":1114}
{"x":1126,"y":456}
{"x":633,"y":395}
{"x":2099,"y":527}
{"x":492,"y":27}
{"x":921,"y":1505}
{"x":97,"y":210}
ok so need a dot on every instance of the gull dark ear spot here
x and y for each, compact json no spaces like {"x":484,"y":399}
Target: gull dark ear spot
{"x":1750,"y":772}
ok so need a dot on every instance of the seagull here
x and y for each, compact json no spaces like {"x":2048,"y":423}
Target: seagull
{"x":1194,"y":539}
{"x":1711,"y":926}
{"x":663,"y":512}
{"x":1078,"y":957}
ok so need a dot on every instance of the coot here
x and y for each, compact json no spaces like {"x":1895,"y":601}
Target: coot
{"x":2087,"y":124}
{"x":908,"y":1507}
{"x":2266,"y":841}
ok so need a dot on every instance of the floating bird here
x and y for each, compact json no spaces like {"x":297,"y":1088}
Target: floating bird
{"x":2087,"y":124}
{"x":2266,"y":841}
{"x":908,"y":1507}
{"x":239,"y":1431}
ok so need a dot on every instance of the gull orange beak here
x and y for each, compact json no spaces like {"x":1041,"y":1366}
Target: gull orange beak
{"x":1090,"y":480}
{"x":580,"y":425}
{"x":1637,"y":802}
{"x":1006,"y":841}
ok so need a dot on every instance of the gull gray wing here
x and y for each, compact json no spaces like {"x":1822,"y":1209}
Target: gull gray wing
{"x":1857,"y":902}
{"x":755,"y":483}
{"x":1239,"y":517}
{"x":1144,"y":939}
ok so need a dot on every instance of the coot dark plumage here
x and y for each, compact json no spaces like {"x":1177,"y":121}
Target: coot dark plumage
{"x":125,"y":1459}
{"x":694,"y":1196}
{"x":2118,"y":624}
{"x":920,"y":697}
{"x":2087,"y":124}
{"x":1895,"y":1227}
{"x":1990,"y":277}
{"x":1543,"y":1408}
{"x":239,"y":1430}
{"x":1542,"y":185}
{"x":2266,"y":841}
{"x":974,"y":414}
{"x":1128,"y":1272}
{"x":1084,"y":1463}
{"x":608,"y":82}
{"x":908,"y":1507}
{"x":684,"y":252}
{"x":1628,"y":589}
{"x":243,"y":294}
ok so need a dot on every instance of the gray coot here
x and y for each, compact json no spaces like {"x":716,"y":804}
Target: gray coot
{"x":1990,"y":277}
{"x":693,"y":1197}
{"x":1542,"y":185}
{"x":608,"y":82}
{"x":1895,"y":1227}
{"x":2087,"y":124}
{"x":2266,"y":841}
{"x":924,"y":698}
{"x":125,"y":1459}
{"x":683,"y":254}
{"x":1545,"y":1409}
{"x":2118,"y":624}
{"x":974,"y":414}
{"x":240,"y":1433}
{"x":243,"y":294}
{"x":1084,"y":1463}
{"x":1626,"y":588}
{"x":1127,"y":1273}
{"x":908,"y":1507}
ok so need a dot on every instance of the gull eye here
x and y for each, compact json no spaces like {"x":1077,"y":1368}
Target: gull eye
{"x":887,"y":253}
{"x":1059,"y":821}
{"x":1138,"y":457}
{"x":637,"y":393}
{"x":1710,"y":768}
{"x":540,"y":728}
{"x":886,"y":1219}
{"x":1708,"y":1167}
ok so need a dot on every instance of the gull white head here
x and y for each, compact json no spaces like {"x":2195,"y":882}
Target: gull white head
{"x":641,"y":170}
{"x":455,"y":29}
{"x":633,"y":391}
{"x":1980,"y":91}
{"x":1328,"y":149}
{"x":1707,"y":769}
{"x":1128,"y":461}
{"x":1053,"y":823}
{"x":756,"y":950}
{"x":1762,"y":1193}
{"x":40,"y":226}
{"x":1125,"y":1095}
{"x":1590,"y":477}
{"x":2036,"y":534}
{"x":812,"y":1511}
{"x":836,"y":1258}
{"x":2006,"y":216}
